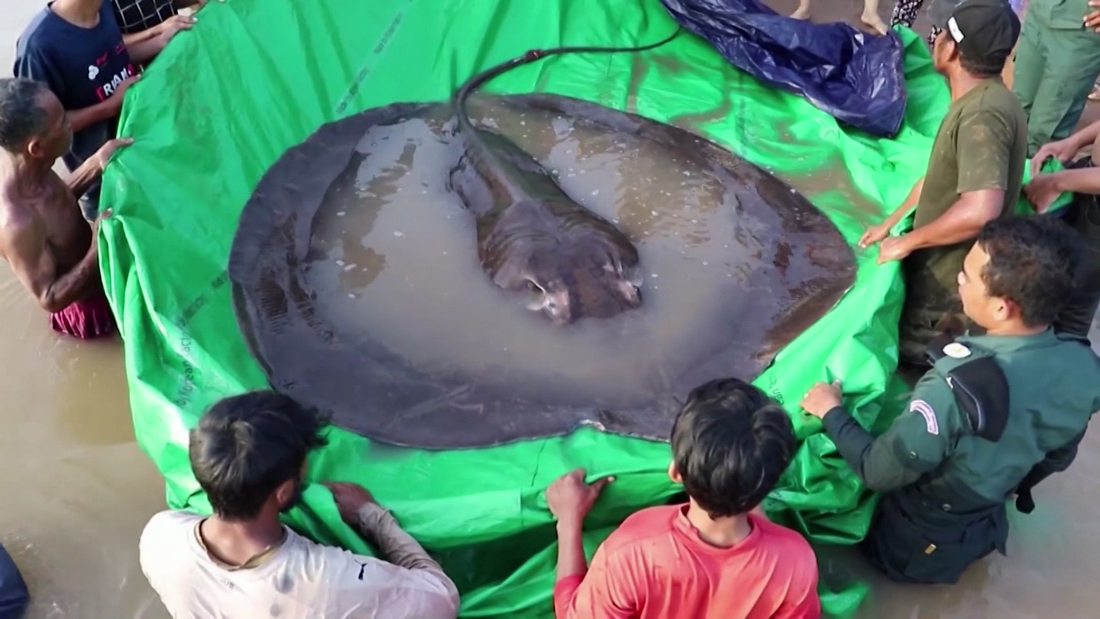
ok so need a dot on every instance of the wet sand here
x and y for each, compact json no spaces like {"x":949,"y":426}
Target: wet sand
{"x":78,"y":490}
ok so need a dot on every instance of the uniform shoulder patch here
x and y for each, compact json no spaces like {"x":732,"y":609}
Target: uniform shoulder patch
{"x":930,"y":421}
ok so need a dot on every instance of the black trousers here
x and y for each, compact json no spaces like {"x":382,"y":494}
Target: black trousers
{"x":1077,"y":317}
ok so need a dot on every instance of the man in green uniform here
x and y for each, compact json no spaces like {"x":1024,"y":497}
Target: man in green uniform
{"x":1082,"y":178}
{"x":974,"y":172}
{"x":1056,"y":65}
{"x":995,"y":415}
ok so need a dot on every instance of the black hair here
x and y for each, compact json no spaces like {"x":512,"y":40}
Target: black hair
{"x":246,"y":445}
{"x":1034,"y":261}
{"x":990,"y":66}
{"x":21,"y":113}
{"x":730,"y":444}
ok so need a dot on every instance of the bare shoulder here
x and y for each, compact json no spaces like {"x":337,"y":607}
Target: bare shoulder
{"x":19,"y":222}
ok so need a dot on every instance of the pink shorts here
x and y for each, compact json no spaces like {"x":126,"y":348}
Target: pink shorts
{"x":86,"y":319}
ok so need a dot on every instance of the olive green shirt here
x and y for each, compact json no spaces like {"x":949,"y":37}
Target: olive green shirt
{"x":1054,"y":388}
{"x":981,"y":144}
{"x":1061,"y":14}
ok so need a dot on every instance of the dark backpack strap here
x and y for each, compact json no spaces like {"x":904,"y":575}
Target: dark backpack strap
{"x":979,"y":386}
{"x":981,"y":389}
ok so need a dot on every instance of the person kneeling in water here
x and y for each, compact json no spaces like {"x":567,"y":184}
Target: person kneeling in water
{"x":43,"y":235}
{"x":248,"y":453}
{"x":715,"y":556}
{"x":995,"y":415}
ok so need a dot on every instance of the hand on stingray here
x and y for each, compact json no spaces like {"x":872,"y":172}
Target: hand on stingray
{"x":893,"y":248}
{"x":350,"y":498}
{"x":570,"y":498}
{"x":821,"y":398}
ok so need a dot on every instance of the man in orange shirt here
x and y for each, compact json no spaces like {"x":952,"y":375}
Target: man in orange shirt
{"x":716,"y":557}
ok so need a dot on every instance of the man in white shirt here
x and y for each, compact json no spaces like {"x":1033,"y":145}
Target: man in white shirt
{"x":248,"y":453}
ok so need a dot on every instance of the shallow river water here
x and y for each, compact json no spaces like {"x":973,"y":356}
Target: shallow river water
{"x":77,"y":490}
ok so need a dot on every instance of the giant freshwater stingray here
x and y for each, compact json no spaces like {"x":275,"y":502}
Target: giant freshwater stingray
{"x":798,"y":274}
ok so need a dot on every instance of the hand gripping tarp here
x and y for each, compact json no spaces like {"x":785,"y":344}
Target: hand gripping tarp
{"x":855,"y":76}
{"x":255,"y":77}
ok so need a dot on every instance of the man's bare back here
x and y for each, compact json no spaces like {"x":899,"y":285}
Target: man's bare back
{"x":42,"y":232}
{"x":43,"y":235}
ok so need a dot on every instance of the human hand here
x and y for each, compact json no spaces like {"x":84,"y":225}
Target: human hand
{"x":350,"y":498}
{"x":123,"y":86}
{"x":821,"y":398}
{"x":1042,"y":191}
{"x":103,"y":214}
{"x":873,"y":235}
{"x":570,"y":499}
{"x":103,"y":155}
{"x":1092,"y":18}
{"x":1062,"y":150}
{"x":893,"y":248}
{"x":169,"y":27}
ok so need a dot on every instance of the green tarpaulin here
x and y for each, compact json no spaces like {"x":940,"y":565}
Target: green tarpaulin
{"x":255,"y":77}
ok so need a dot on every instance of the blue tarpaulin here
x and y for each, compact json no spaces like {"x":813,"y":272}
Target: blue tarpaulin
{"x":855,"y":76}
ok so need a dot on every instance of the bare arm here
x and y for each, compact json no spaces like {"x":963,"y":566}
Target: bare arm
{"x":876,"y":233}
{"x":82,"y":178}
{"x":571,"y":559}
{"x":144,"y":50}
{"x":962,"y":221}
{"x":1085,"y":136}
{"x":88,"y":116}
{"x":147,"y":44}
{"x":130,"y":40}
{"x":33,"y":263}
{"x":910,"y":201}
{"x":106,"y":109}
{"x":1084,"y":180}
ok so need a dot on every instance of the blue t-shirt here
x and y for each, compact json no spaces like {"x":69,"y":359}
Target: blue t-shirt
{"x":82,"y":66}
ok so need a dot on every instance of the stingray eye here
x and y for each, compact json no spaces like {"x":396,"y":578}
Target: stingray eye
{"x":533,"y":287}
{"x":611,"y":265}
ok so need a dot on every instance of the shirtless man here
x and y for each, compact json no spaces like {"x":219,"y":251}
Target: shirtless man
{"x":43,"y":235}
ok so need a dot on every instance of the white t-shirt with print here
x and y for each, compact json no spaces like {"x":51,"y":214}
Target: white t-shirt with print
{"x":300,"y":580}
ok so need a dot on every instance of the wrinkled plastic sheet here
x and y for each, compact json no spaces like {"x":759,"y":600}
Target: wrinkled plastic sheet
{"x":855,"y":76}
{"x":254,"y":77}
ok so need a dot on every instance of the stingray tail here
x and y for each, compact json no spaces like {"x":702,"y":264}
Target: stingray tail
{"x":458,"y":100}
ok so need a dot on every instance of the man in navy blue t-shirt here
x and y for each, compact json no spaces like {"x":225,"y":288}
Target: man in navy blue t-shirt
{"x":76,"y":48}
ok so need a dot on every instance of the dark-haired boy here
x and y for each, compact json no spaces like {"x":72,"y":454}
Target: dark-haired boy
{"x":77,"y":50}
{"x":715,"y":557}
{"x":248,"y":453}
{"x":995,"y":415}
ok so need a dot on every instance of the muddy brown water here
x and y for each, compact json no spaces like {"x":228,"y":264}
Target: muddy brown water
{"x":77,"y":490}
